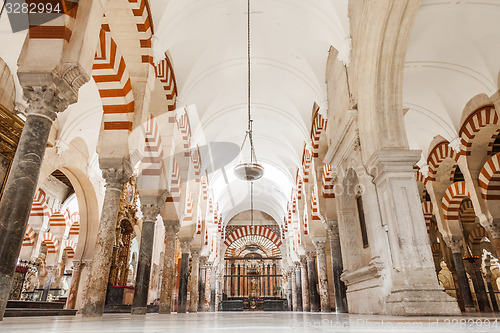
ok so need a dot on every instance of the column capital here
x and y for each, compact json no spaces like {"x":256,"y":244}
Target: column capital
{"x":493,"y":228}
{"x":332,"y":228}
{"x":203,"y":261}
{"x":150,"y":211}
{"x":195,"y":254}
{"x":117,"y":176}
{"x":455,"y":243}
{"x":310,"y":255}
{"x":320,"y":246}
{"x":44,"y":101}
{"x":171,"y":227}
{"x":303,"y":261}
{"x":185,"y":246}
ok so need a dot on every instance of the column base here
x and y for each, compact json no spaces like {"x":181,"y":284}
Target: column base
{"x":139,"y":311}
{"x":423,"y":300}
{"x":93,"y":311}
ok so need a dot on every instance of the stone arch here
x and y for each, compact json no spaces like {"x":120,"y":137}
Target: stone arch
{"x":479,"y":120}
{"x":257,"y":230}
{"x":439,"y":153}
{"x":428,"y":210}
{"x":8,"y":87}
{"x":451,"y":202}
{"x":489,"y":181}
{"x":29,"y":236}
{"x":51,"y":242}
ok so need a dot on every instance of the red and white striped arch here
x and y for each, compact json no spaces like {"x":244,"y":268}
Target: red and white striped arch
{"x":29,"y":236}
{"x":476,"y":235}
{"x":318,"y":126}
{"x":437,"y":155}
{"x":327,"y":186}
{"x":306,"y":163}
{"x":113,"y":82}
{"x":258,"y":230}
{"x":315,"y":213}
{"x":70,"y":247}
{"x":476,"y":121}
{"x":60,"y":28}
{"x":175,"y":183}
{"x":466,"y":213}
{"x":58,"y":223}
{"x":196,"y":162}
{"x":153,"y":152}
{"x":452,"y":199}
{"x":51,"y":242}
{"x":428,"y":210}
{"x":489,"y":179}
{"x":144,"y":23}
{"x":165,"y":73}
{"x":184,"y":126}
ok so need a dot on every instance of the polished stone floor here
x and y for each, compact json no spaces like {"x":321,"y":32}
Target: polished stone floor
{"x":255,"y":322}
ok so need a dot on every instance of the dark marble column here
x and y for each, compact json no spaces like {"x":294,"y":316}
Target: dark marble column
{"x":47,"y":283}
{"x":75,"y":283}
{"x":455,"y":244}
{"x":324,"y":293}
{"x":337,"y":267}
{"x":298,"y":282}
{"x":95,"y":296}
{"x":213,"y":289}
{"x":150,"y":208}
{"x":304,"y":278}
{"x":193,"y":305}
{"x":168,"y":281}
{"x":17,"y":198}
{"x":473,"y":266}
{"x":201,"y":283}
{"x":313,"y":281}
{"x":491,"y":292}
{"x":183,"y":279}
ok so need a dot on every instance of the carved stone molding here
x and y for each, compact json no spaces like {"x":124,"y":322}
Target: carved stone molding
{"x":332,"y":228}
{"x":310,"y":255}
{"x":185,"y":247}
{"x":455,"y":243}
{"x":44,"y":101}
{"x":150,"y":211}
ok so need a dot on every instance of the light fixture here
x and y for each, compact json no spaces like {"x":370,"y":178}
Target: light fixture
{"x":249,"y":171}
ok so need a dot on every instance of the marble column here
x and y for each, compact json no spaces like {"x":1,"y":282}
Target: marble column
{"x":201,"y":284}
{"x":313,"y":281}
{"x":213,"y":289}
{"x":75,"y":283}
{"x":193,"y":306}
{"x":183,"y":279}
{"x":17,"y":198}
{"x":150,"y":208}
{"x":473,"y":266}
{"x":208,"y":282}
{"x":95,"y":294}
{"x":337,"y":267}
{"x":289,"y":294}
{"x":324,"y":294}
{"x":48,"y":282}
{"x":456,"y":244}
{"x":491,"y":292}
{"x":294,"y":288}
{"x":304,"y":278}
{"x":298,"y":282}
{"x":168,"y":281}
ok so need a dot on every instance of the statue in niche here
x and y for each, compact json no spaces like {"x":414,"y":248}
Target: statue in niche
{"x":42,"y":270}
{"x":445,"y":277}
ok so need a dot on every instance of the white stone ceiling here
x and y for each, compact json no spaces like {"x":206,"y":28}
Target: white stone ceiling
{"x":452,"y":57}
{"x":207,"y":42}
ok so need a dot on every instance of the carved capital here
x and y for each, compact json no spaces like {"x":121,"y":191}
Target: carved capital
{"x":150,"y":211}
{"x":44,"y":101}
{"x":320,"y":246}
{"x":77,"y":265}
{"x":310,"y":255}
{"x":332,"y":227}
{"x":116,"y":177}
{"x":195,"y":254}
{"x":171,"y":228}
{"x":203,"y":262}
{"x":493,"y":228}
{"x":185,"y":246}
{"x":303,"y":261}
{"x":455,"y":243}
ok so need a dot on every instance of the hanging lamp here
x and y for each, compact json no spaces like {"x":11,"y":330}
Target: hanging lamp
{"x":251,"y":170}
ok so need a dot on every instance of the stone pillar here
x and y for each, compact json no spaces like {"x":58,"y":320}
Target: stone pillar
{"x":193,"y":306}
{"x":456,"y":244}
{"x":298,"y":282}
{"x":75,"y":283}
{"x":17,"y":199}
{"x":304,"y":278}
{"x":201,"y":284}
{"x":294,"y":287}
{"x":493,"y":228}
{"x":150,"y":208}
{"x":289,"y":294}
{"x":48,"y":282}
{"x":208,"y":287}
{"x":324,"y":294}
{"x":413,"y":287}
{"x":168,"y":281}
{"x":95,"y":294}
{"x":491,"y":292}
{"x":313,"y":281}
{"x":337,"y":267}
{"x":183,"y":279}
